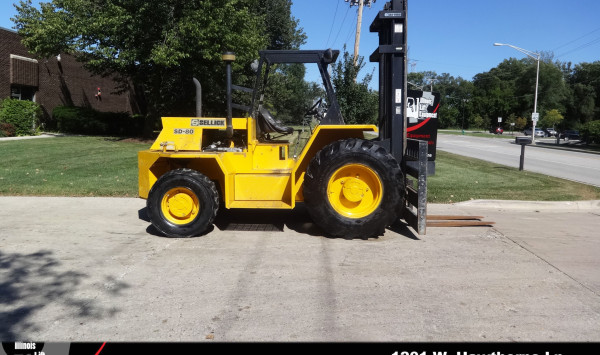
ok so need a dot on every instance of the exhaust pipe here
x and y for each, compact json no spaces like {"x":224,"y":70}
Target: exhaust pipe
{"x":228,"y":58}
{"x":198,"y":97}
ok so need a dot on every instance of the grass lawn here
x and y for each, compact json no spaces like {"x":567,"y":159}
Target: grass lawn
{"x":459,"y":178}
{"x":69,"y":166}
{"x":98,"y":166}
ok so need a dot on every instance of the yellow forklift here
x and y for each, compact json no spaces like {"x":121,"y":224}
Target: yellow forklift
{"x":352,"y":186}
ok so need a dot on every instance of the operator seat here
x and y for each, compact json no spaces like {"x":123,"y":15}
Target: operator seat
{"x":268,"y":124}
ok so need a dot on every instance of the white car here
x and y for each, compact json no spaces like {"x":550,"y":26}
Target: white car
{"x":538,"y":132}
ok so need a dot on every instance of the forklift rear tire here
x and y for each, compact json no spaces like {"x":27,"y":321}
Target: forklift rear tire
{"x":354,"y":188}
{"x":183,"y":203}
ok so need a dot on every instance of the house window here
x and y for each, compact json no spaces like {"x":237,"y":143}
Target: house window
{"x":20,"y":92}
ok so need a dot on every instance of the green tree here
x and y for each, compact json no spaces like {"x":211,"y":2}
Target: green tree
{"x":520,"y":123}
{"x":509,"y":88}
{"x":154,"y":47}
{"x":422,"y":80}
{"x":590,"y":132}
{"x":585,"y":101}
{"x":495,"y":93}
{"x":477,"y":121}
{"x":358,"y":103}
{"x":582,"y":105}
{"x":455,"y":101}
{"x":552,"y":118}
{"x":281,"y":27}
{"x":510,"y":122}
{"x":553,"y":91}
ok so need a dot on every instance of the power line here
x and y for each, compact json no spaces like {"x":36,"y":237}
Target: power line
{"x":342,"y":25}
{"x":580,"y":47}
{"x":337,"y":3}
{"x":577,"y":39}
{"x":351,"y":30}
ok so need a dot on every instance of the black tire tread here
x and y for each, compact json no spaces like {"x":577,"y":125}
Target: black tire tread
{"x":336,"y":155}
{"x":194,"y":228}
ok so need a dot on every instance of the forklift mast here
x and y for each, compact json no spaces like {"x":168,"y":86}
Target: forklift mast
{"x":390,"y":23}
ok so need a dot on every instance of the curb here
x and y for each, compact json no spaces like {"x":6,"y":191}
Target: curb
{"x":563,"y":147}
{"x":516,"y":205}
{"x":533,"y":205}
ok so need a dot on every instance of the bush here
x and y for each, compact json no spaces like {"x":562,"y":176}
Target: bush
{"x":7,"y":130}
{"x":22,"y":115}
{"x":70,"y":119}
{"x":590,"y":132}
{"x":83,"y":120}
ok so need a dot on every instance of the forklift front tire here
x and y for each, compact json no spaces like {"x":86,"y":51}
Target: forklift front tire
{"x":353,"y":189}
{"x":183,"y":203}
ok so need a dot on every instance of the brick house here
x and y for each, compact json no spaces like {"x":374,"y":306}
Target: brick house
{"x":55,"y":81}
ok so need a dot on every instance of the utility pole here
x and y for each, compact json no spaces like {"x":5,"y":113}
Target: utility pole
{"x":360,"y":4}
{"x":358,"y":25}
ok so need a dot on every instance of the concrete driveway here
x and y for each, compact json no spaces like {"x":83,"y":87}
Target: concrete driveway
{"x":92,"y":269}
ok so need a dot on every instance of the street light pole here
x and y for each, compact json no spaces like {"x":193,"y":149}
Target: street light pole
{"x":536,"y":56}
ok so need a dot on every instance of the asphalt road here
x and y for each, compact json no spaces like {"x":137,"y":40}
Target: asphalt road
{"x":93,"y":269}
{"x":566,"y":164}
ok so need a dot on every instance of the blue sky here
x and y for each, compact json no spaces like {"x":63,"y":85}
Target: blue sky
{"x":454,"y":37}
{"x":457,"y":37}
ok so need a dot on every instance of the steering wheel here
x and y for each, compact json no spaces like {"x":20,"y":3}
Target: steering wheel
{"x":314,"y":110}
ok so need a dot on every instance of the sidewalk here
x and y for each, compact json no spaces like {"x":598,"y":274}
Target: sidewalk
{"x":43,"y":135}
{"x":593,"y":205}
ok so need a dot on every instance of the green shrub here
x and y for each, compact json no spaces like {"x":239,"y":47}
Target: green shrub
{"x":23,"y":115}
{"x":83,"y":120}
{"x":80,"y":120}
{"x":590,"y":132}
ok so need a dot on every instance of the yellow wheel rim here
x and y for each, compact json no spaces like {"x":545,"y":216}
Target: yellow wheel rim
{"x":354,"y":190}
{"x":180,"y":205}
